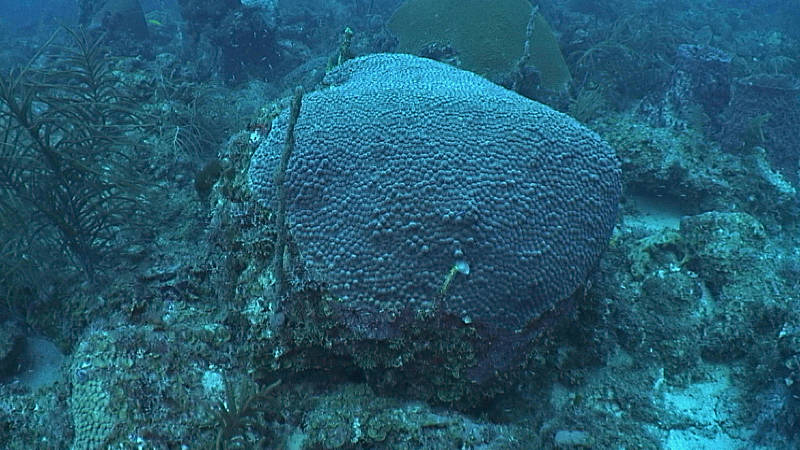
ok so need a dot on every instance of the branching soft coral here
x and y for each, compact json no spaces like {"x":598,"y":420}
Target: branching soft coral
{"x":65,"y":154}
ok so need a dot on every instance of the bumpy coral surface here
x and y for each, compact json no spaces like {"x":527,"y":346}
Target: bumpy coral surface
{"x":414,"y":184}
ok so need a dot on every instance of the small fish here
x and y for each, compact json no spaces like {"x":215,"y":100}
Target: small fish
{"x":155,"y":22}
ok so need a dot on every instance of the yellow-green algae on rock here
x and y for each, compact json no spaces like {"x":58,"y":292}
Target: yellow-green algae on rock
{"x":488,"y":34}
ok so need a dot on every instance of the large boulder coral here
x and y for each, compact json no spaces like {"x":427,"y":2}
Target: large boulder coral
{"x":415,"y":187}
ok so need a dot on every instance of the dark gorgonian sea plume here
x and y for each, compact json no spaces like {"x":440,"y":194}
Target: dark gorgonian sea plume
{"x":66,"y":183}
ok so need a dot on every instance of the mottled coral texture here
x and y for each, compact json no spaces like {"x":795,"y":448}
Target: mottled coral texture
{"x":405,"y":166}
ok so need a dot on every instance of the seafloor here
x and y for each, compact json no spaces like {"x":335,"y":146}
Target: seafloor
{"x":158,"y":330}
